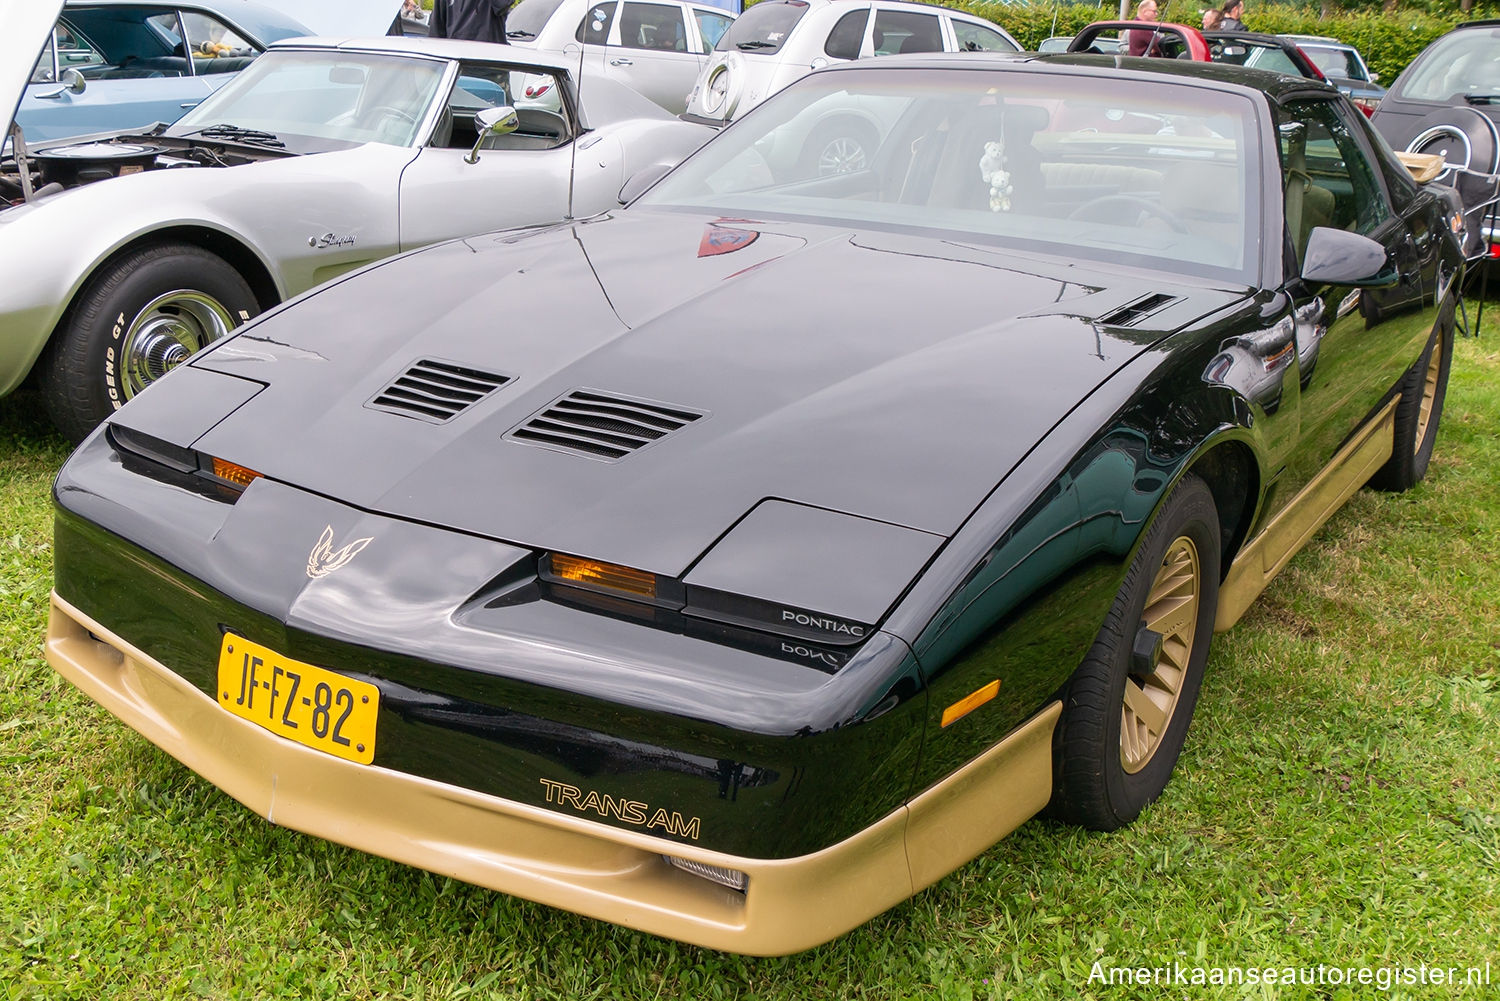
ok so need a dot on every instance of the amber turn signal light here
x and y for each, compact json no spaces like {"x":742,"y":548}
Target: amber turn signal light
{"x":970,"y":702}
{"x":603,"y":576}
{"x":234,"y":473}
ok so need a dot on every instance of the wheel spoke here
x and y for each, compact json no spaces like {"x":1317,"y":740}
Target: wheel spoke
{"x":1139,"y":703}
{"x":1171,"y":610}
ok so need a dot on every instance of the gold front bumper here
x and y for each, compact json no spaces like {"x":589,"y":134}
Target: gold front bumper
{"x":576,"y":864}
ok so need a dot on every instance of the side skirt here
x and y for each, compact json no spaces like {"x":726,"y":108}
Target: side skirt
{"x":1265,"y":555}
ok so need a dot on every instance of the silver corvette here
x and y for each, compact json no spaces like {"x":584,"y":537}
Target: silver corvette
{"x":125,"y":253}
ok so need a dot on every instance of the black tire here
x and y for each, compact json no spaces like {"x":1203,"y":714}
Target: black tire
{"x":1418,"y":413}
{"x":840,"y":146}
{"x":1101,"y":779}
{"x":136,"y":319}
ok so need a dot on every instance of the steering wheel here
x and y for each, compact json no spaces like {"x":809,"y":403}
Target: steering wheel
{"x":1146,"y":205}
{"x":391,"y":111}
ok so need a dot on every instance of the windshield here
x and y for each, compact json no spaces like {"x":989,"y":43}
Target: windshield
{"x":763,"y":28}
{"x":1341,"y":63}
{"x":1256,"y":55}
{"x":527,"y":19}
{"x":1459,"y":65}
{"x":1154,"y":174}
{"x":321,"y":100}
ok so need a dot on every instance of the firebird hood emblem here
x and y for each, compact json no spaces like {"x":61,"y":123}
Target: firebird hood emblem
{"x":324,"y":559}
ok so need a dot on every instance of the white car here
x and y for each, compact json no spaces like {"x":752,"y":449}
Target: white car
{"x":127,"y":252}
{"x":656,"y":48}
{"x":778,"y":41}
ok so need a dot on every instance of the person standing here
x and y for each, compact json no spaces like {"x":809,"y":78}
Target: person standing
{"x":1233,"y":9}
{"x":1144,"y":43}
{"x":1213,"y":19}
{"x":479,"y":20}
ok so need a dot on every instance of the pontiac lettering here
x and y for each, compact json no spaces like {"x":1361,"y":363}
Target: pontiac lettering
{"x":825,"y":624}
{"x":630,"y":811}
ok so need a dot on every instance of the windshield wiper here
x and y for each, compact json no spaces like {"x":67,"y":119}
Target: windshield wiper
{"x":1482,"y":98}
{"x":520,"y":33}
{"x":226,"y":131}
{"x":755,"y":44}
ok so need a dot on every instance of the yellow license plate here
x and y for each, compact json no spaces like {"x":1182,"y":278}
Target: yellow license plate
{"x":301,"y":702}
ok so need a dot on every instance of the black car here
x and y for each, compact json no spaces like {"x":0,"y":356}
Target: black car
{"x":1447,"y":100}
{"x":735,"y":565}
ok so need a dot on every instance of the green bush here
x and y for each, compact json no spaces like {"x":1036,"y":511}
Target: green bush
{"x":1388,"y":41}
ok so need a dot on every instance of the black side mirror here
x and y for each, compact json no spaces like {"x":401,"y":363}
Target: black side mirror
{"x":1338,"y":257}
{"x":637,"y":183}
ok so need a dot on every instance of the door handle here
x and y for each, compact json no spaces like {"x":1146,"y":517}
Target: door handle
{"x":622,"y":61}
{"x":190,"y":104}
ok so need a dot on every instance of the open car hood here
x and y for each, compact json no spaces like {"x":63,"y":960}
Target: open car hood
{"x":340,"y":18}
{"x":26,"y":29}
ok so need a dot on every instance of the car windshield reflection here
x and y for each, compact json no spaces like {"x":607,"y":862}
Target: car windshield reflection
{"x":321,"y":100}
{"x":1147,"y":173}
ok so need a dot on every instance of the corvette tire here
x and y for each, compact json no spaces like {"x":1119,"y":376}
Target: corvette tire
{"x":136,"y":319}
{"x":1126,"y":709}
{"x":1418,"y":413}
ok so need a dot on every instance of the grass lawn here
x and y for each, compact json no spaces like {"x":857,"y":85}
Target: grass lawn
{"x":1338,"y":803}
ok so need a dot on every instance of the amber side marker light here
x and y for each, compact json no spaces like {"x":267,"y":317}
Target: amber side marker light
{"x":970,"y":702}
{"x":603,"y":576}
{"x":234,"y":473}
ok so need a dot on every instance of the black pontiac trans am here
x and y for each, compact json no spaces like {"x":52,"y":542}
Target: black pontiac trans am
{"x":736,"y":565}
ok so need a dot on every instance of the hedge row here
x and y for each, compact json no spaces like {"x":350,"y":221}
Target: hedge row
{"x":1388,"y":41}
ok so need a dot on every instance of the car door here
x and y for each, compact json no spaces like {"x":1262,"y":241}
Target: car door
{"x":518,"y":180}
{"x":1352,"y":344}
{"x":656,"y":52}
{"x":138,"y":65}
{"x":903,"y":31}
{"x":130,"y":71}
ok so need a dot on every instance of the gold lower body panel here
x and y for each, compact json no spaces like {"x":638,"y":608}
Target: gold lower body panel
{"x":1286,"y":533}
{"x":567,"y":862}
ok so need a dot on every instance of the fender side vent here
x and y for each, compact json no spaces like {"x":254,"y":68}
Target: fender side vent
{"x":600,"y":426}
{"x":1133,"y":312}
{"x":436,"y":391}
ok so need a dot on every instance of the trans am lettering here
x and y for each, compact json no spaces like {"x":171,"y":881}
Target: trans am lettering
{"x":827,"y":625}
{"x":630,"y":811}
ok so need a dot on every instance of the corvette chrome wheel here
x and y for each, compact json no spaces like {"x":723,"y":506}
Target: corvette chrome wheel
{"x":165,"y":333}
{"x":135,"y":319}
{"x":1152,"y":690}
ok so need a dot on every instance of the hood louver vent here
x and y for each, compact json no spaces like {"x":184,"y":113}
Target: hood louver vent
{"x":436,"y":391}
{"x":599,"y":426}
{"x":1138,"y":310}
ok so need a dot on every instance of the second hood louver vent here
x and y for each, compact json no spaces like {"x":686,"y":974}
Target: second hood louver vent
{"x":601,"y":426}
{"x":436,"y":391}
{"x":1137,"y":310}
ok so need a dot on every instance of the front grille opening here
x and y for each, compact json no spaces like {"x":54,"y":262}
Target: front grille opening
{"x":601,"y":426}
{"x":730,"y":878}
{"x":436,"y":391}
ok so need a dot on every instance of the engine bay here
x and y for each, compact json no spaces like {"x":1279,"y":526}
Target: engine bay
{"x":27,"y":174}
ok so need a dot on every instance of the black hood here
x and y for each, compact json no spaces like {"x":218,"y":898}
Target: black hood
{"x":890,"y":376}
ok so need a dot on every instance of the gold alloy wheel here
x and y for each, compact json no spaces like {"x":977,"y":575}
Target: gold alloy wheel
{"x":1172,"y":611}
{"x":1429,"y":392}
